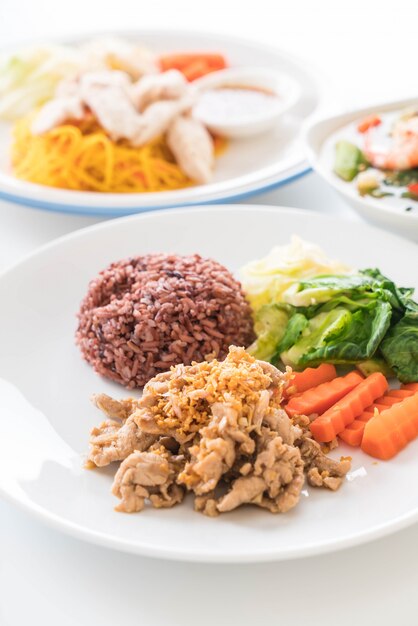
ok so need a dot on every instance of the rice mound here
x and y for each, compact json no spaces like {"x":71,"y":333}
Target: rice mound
{"x":144,"y":314}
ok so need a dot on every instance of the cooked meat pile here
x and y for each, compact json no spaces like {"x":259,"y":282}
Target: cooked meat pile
{"x":144,"y":314}
{"x":216,"y":429}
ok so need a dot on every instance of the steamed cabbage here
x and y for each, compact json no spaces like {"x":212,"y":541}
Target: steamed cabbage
{"x":29,"y":78}
{"x":267,"y":280}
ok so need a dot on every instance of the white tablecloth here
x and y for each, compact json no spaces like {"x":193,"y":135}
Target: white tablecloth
{"x":47,"y":578}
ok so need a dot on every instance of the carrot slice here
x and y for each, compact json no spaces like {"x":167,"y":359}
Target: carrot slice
{"x":390,"y":400}
{"x":345,"y":411}
{"x":410,"y":386}
{"x":401,"y":393}
{"x":321,"y":398}
{"x":353,"y":434}
{"x":388,"y":433}
{"x":197,"y":69}
{"x":368,"y":122}
{"x":183,"y":60}
{"x":312,"y":377}
{"x":377,"y":405}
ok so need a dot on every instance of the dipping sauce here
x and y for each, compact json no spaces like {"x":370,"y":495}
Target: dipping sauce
{"x":235,"y":104}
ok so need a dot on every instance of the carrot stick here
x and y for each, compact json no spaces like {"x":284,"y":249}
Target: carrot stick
{"x":353,"y":434}
{"x":388,"y":433}
{"x":410,"y":386}
{"x":321,"y":398}
{"x":312,"y":377}
{"x":345,"y":411}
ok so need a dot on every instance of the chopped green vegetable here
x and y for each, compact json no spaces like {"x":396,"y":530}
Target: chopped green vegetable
{"x":377,"y":364}
{"x":401,"y":178}
{"x":409,"y":195}
{"x":295,"y":326}
{"x":400,"y":349}
{"x":379,"y":193}
{"x":341,"y":335}
{"x":349,"y":160}
{"x":368,"y":182}
{"x":269,"y":325}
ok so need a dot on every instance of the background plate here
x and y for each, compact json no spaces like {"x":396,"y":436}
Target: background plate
{"x":247,"y":167}
{"x":45,"y":413}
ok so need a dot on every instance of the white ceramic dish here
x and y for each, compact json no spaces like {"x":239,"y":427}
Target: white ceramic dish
{"x":320,"y":139}
{"x":45,"y":413}
{"x":247,"y":167}
{"x":283,"y":86}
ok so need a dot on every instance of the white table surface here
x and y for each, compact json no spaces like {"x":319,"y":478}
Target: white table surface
{"x":50,"y":579}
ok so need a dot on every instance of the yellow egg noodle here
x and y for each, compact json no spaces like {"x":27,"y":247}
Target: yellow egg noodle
{"x":82,"y":157}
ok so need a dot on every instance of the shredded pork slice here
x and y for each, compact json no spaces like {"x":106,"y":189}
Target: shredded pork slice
{"x":216,"y":451}
{"x":321,"y":470}
{"x":115,"y":409}
{"x":274,"y":483}
{"x":217,"y":429}
{"x":178,"y":403}
{"x":148,"y":476}
{"x":113,"y":441}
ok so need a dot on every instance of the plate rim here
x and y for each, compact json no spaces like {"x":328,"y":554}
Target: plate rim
{"x":28,"y":197}
{"x":60,"y":523}
{"x":115,"y":212}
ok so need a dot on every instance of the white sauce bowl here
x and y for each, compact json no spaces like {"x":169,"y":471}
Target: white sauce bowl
{"x":284,"y":90}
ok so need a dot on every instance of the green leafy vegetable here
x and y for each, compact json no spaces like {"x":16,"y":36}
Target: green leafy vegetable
{"x":269,"y":325}
{"x":294,"y":328}
{"x":349,"y":160}
{"x":400,"y":346}
{"x":376,"y":364}
{"x":341,"y":335}
{"x":400,"y":349}
{"x":340,"y":317}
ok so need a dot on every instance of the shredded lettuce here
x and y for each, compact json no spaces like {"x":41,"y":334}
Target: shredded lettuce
{"x":29,"y":78}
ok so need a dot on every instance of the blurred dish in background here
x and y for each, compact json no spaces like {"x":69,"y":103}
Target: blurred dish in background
{"x":370,"y":156}
{"x":144,"y":118}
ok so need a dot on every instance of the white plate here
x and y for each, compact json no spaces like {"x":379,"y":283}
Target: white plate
{"x":321,"y":137}
{"x":247,"y":167}
{"x":45,"y":413}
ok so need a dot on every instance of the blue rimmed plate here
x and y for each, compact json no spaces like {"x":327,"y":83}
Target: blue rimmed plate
{"x":247,"y":167}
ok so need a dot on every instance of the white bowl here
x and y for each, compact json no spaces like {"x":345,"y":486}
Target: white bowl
{"x":282,"y":85}
{"x":320,"y":137}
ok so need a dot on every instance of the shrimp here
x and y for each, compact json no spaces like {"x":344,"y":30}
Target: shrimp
{"x":403,"y":155}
